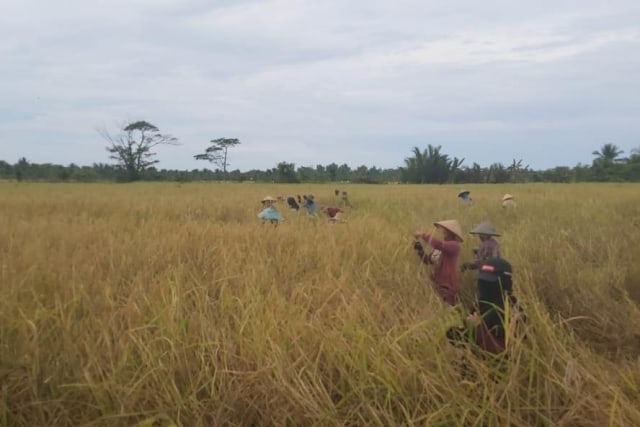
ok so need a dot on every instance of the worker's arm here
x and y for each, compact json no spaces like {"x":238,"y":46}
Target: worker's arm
{"x":450,"y":247}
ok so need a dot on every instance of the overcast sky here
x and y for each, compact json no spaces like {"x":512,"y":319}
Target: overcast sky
{"x":320,"y":81}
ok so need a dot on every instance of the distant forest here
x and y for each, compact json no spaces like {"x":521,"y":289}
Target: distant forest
{"x":131,"y":149}
{"x":429,"y":166}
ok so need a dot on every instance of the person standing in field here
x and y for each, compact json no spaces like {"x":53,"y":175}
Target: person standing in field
{"x":465,"y":197}
{"x":489,"y":246}
{"x":345,"y":200}
{"x":269,"y":211}
{"x":485,"y":326}
{"x":508,"y":201}
{"x":443,"y":257}
{"x":309,"y":204}
{"x":293,"y":205}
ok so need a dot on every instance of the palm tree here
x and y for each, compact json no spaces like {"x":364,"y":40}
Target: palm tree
{"x":430,"y":166}
{"x":609,"y":153}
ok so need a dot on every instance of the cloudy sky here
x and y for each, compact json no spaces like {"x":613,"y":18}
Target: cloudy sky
{"x":317,"y":81}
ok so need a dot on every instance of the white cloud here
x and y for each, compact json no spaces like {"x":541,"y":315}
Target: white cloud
{"x":299,"y":80}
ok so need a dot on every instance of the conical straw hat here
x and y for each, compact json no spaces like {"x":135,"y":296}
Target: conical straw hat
{"x":268,"y":199}
{"x":485,"y":228}
{"x":452,"y":225}
{"x":507,"y":197}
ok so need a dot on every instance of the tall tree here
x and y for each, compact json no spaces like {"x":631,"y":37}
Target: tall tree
{"x":131,"y":147}
{"x":517,"y":171}
{"x":218,"y":152}
{"x":606,"y":165}
{"x":609,"y":153}
{"x":430,"y":166}
{"x":286,"y":172}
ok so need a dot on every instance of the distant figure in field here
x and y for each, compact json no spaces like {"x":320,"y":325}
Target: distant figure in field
{"x":293,"y":205}
{"x":508,"y":201}
{"x":345,"y":200}
{"x":299,"y":200}
{"x":485,"y":325}
{"x":309,"y":204}
{"x":336,"y":192}
{"x":335,"y":214}
{"x":443,"y":257}
{"x":465,"y":196}
{"x":489,"y":246}
{"x":269,"y":211}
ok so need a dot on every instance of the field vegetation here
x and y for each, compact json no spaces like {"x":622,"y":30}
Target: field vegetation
{"x":172,"y":305}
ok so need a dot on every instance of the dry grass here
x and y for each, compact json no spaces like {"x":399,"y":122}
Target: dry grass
{"x":161,"y":305}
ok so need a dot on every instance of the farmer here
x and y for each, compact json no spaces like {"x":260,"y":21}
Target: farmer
{"x":345,"y":200}
{"x":465,"y":196}
{"x":309,"y":204}
{"x":508,"y":202}
{"x":485,"y":325}
{"x":293,"y":205}
{"x":489,"y":247}
{"x":335,"y":214}
{"x":269,"y":211}
{"x":443,"y":257}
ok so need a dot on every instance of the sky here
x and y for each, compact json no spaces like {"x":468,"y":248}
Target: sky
{"x":360,"y":82}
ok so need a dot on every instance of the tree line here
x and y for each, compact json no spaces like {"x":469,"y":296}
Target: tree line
{"x":131,"y":148}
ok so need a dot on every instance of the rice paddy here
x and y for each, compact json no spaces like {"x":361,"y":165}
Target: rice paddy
{"x":172,"y":305}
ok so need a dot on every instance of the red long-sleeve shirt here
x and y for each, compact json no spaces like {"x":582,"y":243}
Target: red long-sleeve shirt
{"x":445,"y":272}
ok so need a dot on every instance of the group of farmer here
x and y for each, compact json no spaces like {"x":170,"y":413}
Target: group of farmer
{"x":507,"y":200}
{"x":485,"y":324}
{"x":335,"y":213}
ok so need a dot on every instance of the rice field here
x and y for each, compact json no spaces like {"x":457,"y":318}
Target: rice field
{"x":172,"y":305}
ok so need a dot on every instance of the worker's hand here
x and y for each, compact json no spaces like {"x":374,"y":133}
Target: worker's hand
{"x":473,"y":319}
{"x":417,"y":234}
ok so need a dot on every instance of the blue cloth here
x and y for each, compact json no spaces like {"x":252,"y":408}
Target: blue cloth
{"x":311,"y":207}
{"x":271,"y":213}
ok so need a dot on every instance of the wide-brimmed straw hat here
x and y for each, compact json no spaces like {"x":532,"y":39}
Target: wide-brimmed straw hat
{"x":451,"y":225}
{"x":463,"y":193}
{"x":268,"y":199}
{"x":485,"y":228}
{"x":507,"y":197}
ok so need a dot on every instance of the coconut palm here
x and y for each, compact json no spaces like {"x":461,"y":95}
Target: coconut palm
{"x":609,"y":153}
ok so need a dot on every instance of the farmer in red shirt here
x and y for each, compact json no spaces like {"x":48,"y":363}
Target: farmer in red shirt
{"x":335,"y":214}
{"x":443,"y":257}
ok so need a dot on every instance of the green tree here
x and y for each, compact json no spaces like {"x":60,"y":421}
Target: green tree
{"x":286,"y":172}
{"x":609,"y":153}
{"x":218,"y":152}
{"x":332,"y":171}
{"x":606,"y":164}
{"x":131,"y":147}
{"x":430,"y":166}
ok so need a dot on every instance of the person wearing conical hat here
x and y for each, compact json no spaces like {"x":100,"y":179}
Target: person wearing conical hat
{"x":465,"y":196}
{"x":485,"y":326}
{"x":489,"y":246}
{"x":269,"y":211}
{"x":508,"y":201}
{"x":443,"y":256}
